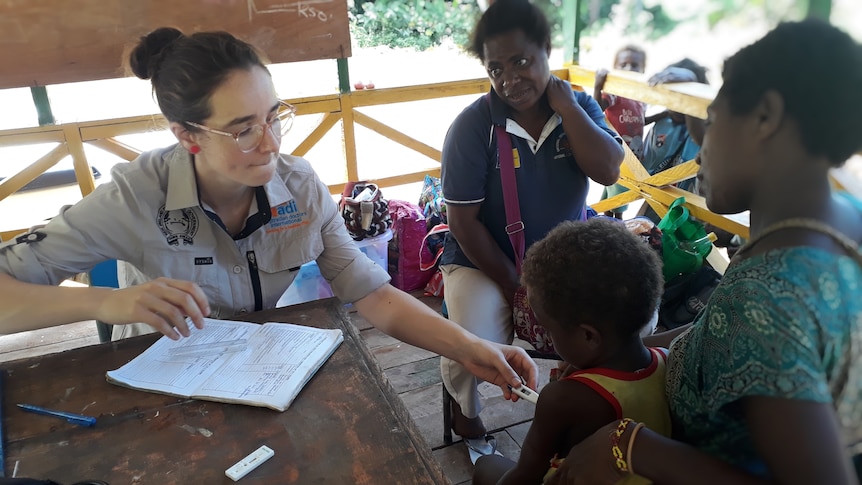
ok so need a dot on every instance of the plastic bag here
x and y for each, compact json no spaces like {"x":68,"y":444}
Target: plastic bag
{"x":431,"y":202}
{"x":435,"y":285}
{"x":685,"y":242}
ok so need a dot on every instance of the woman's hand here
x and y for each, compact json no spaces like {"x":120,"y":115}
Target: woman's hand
{"x":502,"y":365}
{"x":560,"y":95}
{"x":591,"y":461}
{"x":163,"y":304}
{"x":672,"y":75}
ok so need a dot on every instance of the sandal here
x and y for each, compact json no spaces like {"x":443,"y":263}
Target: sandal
{"x":485,"y":445}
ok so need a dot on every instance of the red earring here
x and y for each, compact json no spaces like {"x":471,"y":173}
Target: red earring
{"x":194,"y":150}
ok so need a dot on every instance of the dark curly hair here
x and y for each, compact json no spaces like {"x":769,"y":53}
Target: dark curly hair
{"x":698,"y":70}
{"x":817,"y":70}
{"x":186,"y":69}
{"x":595,"y":272}
{"x":505,"y":16}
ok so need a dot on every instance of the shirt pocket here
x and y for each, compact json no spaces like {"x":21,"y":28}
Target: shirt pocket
{"x":288,"y":250}
{"x":187,"y":263}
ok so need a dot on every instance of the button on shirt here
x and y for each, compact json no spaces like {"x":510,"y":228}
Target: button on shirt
{"x":149,"y":217}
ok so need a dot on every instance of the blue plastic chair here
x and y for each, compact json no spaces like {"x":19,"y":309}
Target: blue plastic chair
{"x":104,"y":274}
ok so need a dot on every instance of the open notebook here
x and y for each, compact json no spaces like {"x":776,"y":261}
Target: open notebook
{"x":235,"y":362}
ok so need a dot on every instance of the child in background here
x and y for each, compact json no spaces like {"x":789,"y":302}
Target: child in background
{"x":626,"y":115}
{"x":595,"y":324}
{"x":675,"y":138}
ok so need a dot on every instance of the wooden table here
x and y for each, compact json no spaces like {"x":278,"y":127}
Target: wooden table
{"x":347,"y":426}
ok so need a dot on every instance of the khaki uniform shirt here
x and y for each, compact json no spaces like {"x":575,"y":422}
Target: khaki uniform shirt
{"x":150,"y":217}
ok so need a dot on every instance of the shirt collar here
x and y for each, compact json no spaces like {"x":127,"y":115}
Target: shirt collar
{"x":514,"y":128}
{"x":183,"y":187}
{"x":500,"y":117}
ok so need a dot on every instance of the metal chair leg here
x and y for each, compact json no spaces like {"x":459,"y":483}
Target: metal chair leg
{"x":447,"y":416}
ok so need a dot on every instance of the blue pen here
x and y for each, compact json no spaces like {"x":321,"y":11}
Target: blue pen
{"x":73,"y":418}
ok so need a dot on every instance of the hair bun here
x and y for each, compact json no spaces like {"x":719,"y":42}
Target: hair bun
{"x":147,"y":56}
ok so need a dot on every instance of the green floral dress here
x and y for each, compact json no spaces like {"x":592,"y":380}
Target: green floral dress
{"x":786,"y":324}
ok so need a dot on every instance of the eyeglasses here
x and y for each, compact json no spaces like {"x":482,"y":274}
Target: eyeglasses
{"x":250,"y":138}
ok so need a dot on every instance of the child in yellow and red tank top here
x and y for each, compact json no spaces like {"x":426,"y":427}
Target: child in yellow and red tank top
{"x":594,"y":286}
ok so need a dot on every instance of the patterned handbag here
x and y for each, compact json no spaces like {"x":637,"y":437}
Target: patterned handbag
{"x":365,"y":211}
{"x":527,"y":327}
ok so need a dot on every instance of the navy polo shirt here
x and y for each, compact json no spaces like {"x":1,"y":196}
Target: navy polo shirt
{"x":551,"y":186}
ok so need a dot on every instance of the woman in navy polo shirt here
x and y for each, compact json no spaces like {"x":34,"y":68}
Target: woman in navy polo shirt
{"x":559,"y":139}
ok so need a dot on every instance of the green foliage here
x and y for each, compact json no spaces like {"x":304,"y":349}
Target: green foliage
{"x":418,"y":24}
{"x":660,"y":25}
{"x":772,"y":11}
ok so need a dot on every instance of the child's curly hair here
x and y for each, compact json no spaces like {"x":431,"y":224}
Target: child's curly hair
{"x":595,"y":272}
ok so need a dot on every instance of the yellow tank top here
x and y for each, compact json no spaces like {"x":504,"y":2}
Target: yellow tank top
{"x":637,"y":395}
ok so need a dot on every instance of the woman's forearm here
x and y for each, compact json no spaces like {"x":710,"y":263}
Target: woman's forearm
{"x":670,"y":462}
{"x":407,"y":319}
{"x":27,"y":306}
{"x":482,"y":250}
{"x":598,"y":154}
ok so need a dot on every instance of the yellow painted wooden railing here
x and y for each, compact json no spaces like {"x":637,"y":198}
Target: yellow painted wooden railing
{"x":336,"y":107}
{"x":656,"y":190}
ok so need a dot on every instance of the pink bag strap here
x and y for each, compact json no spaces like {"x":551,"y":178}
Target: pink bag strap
{"x":514,"y":224}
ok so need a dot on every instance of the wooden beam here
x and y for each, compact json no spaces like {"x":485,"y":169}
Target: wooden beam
{"x":349,"y":138}
{"x":98,"y":130}
{"x":326,"y":123}
{"x":672,"y":175}
{"x":117,"y":148}
{"x":407,"y":178}
{"x":374,"y":97}
{"x":687,"y":98}
{"x":330,"y":103}
{"x":31,"y":136}
{"x":735,"y":224}
{"x":397,"y":136}
{"x":83,"y":172}
{"x":14,"y":183}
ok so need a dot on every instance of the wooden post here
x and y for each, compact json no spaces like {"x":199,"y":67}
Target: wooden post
{"x":43,"y":105}
{"x":571,"y":31}
{"x":343,"y":75}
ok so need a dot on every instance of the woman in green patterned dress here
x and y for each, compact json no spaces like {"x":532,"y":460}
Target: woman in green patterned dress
{"x":766,"y":385}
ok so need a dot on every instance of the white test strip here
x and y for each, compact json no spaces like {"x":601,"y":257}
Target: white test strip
{"x":526,"y":393}
{"x":249,"y":463}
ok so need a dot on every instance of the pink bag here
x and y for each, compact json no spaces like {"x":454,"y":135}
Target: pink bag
{"x":406,"y":246}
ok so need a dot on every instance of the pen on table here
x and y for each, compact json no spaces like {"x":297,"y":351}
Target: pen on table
{"x":73,"y":418}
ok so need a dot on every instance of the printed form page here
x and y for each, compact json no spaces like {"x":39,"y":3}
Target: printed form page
{"x":158,"y":369}
{"x":280,"y":360}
